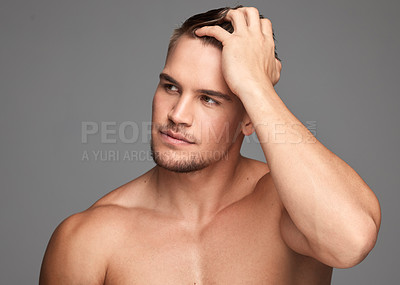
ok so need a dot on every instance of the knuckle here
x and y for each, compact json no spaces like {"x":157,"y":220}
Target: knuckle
{"x":253,"y":10}
{"x":233,"y":11}
{"x":266,"y":21}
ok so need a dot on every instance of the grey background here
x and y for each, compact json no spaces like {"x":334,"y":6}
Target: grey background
{"x":67,"y":62}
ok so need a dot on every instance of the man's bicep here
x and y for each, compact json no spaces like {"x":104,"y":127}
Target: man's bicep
{"x":293,"y":237}
{"x":298,"y":242}
{"x":290,"y":233}
{"x":70,"y":258}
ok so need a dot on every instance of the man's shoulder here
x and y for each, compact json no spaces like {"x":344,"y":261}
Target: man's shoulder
{"x":263,"y":184}
{"x":109,"y":214}
{"x":89,"y":229}
{"x":81,"y":246}
{"x":256,"y":175}
{"x":97,"y":218}
{"x":257,"y":172}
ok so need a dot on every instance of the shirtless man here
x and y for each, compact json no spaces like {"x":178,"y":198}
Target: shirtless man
{"x":205,"y":214}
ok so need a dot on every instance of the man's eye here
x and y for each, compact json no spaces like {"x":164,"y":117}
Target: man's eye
{"x":170,"y":88}
{"x":209,"y":100}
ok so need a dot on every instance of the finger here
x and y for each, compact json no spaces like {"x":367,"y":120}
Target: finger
{"x":268,"y":32}
{"x":253,"y":18}
{"x":213,"y":31}
{"x":266,"y":27}
{"x":237,"y":19}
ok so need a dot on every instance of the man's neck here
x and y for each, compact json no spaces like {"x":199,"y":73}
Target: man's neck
{"x":198,"y":196}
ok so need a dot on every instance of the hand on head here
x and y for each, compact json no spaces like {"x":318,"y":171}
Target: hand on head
{"x":248,"y":54}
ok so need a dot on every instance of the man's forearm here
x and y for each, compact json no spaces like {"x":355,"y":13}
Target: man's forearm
{"x":326,"y":199}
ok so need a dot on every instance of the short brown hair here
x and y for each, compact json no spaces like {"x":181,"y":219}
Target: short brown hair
{"x":209,"y":18}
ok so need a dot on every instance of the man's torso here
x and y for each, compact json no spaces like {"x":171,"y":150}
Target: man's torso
{"x":242,"y":244}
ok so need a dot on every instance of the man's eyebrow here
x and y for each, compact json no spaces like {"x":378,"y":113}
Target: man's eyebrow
{"x":215,"y":94}
{"x":164,"y":76}
{"x":168,"y":78}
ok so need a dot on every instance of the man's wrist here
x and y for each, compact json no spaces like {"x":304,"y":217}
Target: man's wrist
{"x":262,"y":100}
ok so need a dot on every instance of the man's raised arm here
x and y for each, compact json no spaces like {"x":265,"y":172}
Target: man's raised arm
{"x":331,"y":213}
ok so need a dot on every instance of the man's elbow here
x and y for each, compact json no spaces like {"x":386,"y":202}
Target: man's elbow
{"x":359,"y":247}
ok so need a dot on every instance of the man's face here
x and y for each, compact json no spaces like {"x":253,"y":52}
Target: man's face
{"x":196,"y":118}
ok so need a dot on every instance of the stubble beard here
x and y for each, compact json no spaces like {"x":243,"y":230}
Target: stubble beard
{"x":185,"y":162}
{"x":178,"y":161}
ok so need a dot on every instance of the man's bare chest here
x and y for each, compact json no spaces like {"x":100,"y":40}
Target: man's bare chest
{"x":238,"y":247}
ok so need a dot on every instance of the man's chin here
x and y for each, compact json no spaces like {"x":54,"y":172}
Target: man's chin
{"x":182,"y":168}
{"x":185,"y":162}
{"x":182,"y":165}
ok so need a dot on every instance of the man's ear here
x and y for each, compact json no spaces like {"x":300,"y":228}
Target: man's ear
{"x":247,"y":125}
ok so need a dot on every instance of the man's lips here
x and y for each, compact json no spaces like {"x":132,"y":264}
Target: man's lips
{"x":176,"y":136}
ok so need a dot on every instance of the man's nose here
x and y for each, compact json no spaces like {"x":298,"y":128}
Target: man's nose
{"x":182,"y":111}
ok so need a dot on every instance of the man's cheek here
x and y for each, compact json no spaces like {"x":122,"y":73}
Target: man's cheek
{"x":217,"y":133}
